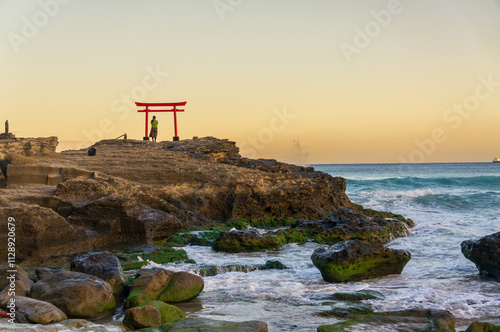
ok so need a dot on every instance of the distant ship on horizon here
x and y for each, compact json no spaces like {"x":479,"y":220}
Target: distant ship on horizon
{"x":496,"y":160}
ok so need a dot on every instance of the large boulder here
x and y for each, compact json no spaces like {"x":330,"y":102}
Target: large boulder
{"x":38,"y":312}
{"x":211,"y":325}
{"x":356,"y":260}
{"x":485,"y":253}
{"x":103,"y":265}
{"x":248,"y":240}
{"x":356,"y":223}
{"x":19,"y":281}
{"x":79,"y":295}
{"x":140,"y":317}
{"x":163,"y":285}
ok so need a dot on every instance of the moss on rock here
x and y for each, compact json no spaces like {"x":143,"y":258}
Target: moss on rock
{"x":357,"y":260}
{"x":248,"y":241}
{"x":168,"y":312}
{"x":131,"y":260}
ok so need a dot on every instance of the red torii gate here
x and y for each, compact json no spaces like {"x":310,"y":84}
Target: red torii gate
{"x":173,"y":109}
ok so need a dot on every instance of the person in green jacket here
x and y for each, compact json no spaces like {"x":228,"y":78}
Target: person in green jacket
{"x":154,"y":129}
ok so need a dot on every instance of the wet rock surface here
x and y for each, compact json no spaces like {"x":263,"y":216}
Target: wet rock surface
{"x":356,"y":260}
{"x":159,"y":284}
{"x":418,"y":320}
{"x":248,"y":241}
{"x":102,"y":265}
{"x":210,"y":325}
{"x":355,"y":223}
{"x":485,"y":253}
{"x":77,"y":294}
{"x":138,"y":318}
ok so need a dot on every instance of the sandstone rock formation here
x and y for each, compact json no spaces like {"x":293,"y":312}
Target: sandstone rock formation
{"x":356,"y":260}
{"x":29,"y":146}
{"x":40,"y":231}
{"x":137,"y":192}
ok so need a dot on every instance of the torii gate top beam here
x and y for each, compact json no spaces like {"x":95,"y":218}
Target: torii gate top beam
{"x":182,"y":103}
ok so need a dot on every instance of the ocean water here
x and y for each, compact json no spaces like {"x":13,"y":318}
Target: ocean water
{"x":449,"y":203}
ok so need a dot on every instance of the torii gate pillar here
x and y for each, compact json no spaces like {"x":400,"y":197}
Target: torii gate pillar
{"x":174,"y":109}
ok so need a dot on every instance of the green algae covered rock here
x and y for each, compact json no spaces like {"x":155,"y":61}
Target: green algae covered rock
{"x":133,"y":260}
{"x":168,"y":313}
{"x":357,"y":260}
{"x":182,"y":286}
{"x":358,"y":296}
{"x":163,"y":285}
{"x":248,"y":241}
{"x":482,"y":327}
{"x":355,"y":224}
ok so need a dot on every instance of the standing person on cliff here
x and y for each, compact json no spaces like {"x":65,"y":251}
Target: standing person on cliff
{"x":154,"y":129}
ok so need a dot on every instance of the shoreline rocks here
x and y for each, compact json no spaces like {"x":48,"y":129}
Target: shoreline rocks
{"x":485,"y":253}
{"x":211,"y":325}
{"x":78,"y":295}
{"x":38,"y":312}
{"x":356,"y":260}
{"x":159,"y":284}
{"x":116,"y":197}
{"x":102,"y":265}
{"x":406,"y":320}
{"x":140,"y":317}
{"x":248,"y":240}
{"x":356,"y":223}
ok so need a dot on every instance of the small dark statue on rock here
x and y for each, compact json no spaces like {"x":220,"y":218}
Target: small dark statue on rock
{"x":6,"y":134}
{"x":91,"y":151}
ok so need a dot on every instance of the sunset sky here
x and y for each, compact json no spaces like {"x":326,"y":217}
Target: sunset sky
{"x":310,"y":81}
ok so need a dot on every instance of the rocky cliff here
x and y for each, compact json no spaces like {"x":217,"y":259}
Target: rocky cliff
{"x":137,"y":191}
{"x":28,"y":146}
